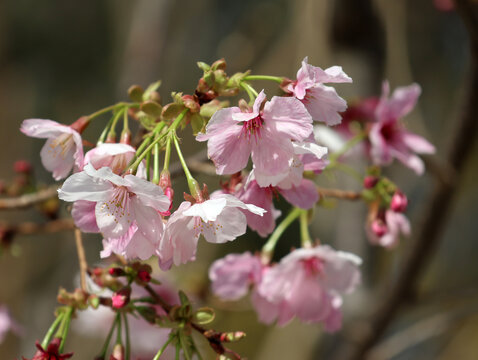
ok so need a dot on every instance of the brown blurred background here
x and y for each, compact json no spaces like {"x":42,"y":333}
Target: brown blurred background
{"x":63,"y":59}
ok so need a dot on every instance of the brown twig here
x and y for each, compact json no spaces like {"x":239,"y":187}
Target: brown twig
{"x":81,"y":258}
{"x":339,"y":194}
{"x":435,"y":215}
{"x":27,"y":200}
{"x":31,"y":228}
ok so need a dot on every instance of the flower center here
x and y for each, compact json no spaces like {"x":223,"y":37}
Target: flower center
{"x":313,"y":266}
{"x":388,"y":130}
{"x":62,"y":145}
{"x":119,"y":163}
{"x":118,"y":205}
{"x":252,"y":128}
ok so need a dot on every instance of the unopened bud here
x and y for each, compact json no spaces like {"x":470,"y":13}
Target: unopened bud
{"x":232,"y":336}
{"x":121,"y":298}
{"x":370,"y":181}
{"x":144,"y":276}
{"x":379,"y":228}
{"x":118,"y":352}
{"x":22,"y":167}
{"x":399,"y":202}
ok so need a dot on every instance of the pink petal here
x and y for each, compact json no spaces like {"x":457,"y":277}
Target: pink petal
{"x":230,"y":224}
{"x":333,"y":74}
{"x":304,"y":196}
{"x":148,"y":193}
{"x":83,"y":213}
{"x":227,"y":146}
{"x":41,"y":128}
{"x":288,"y":117}
{"x":57,"y":161}
{"x":323,"y":104}
{"x":417,"y":143}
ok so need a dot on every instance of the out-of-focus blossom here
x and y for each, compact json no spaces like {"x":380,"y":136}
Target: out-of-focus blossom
{"x":265,"y":134}
{"x":388,"y":137}
{"x":386,"y":229}
{"x":7,"y":323}
{"x":62,"y":150}
{"x":233,"y":275}
{"x":322,"y":102}
{"x":218,"y":219}
{"x":307,"y":283}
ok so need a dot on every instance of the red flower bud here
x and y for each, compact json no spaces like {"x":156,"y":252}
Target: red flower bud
{"x":22,"y":167}
{"x":399,"y":202}
{"x":370,"y":181}
{"x":378,"y":227}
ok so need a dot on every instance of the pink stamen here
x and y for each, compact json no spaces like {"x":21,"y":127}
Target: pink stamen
{"x":252,"y":128}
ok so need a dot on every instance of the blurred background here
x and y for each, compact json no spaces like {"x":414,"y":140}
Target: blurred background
{"x":63,"y":59}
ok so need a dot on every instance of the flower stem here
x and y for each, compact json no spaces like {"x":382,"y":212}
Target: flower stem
{"x":163,"y":348}
{"x":277,"y":79}
{"x":107,"y":341}
{"x":192,"y":183}
{"x":116,"y":117}
{"x":128,"y":344}
{"x":64,"y":327}
{"x":305,"y":238}
{"x":51,"y":330}
{"x":156,"y":164}
{"x":268,"y":248}
{"x":251,"y":92}
{"x":104,"y":111}
{"x":118,"y":329}
{"x":167,"y":154}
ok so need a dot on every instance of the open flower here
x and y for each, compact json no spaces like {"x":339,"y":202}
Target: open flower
{"x":308,"y":284}
{"x":322,"y":102}
{"x":233,"y":275}
{"x":62,"y":150}
{"x":121,"y":202}
{"x":265,"y":135}
{"x":387,"y":228}
{"x":388,"y":137}
{"x":218,"y":219}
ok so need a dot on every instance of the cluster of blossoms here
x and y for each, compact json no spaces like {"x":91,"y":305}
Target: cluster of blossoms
{"x":118,"y":189}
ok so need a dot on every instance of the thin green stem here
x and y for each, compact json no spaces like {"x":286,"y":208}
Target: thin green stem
{"x":51,"y":330}
{"x":346,"y":169}
{"x":134,"y":166}
{"x":156,"y":164}
{"x":277,"y":79}
{"x":148,"y":165}
{"x":119,"y":339}
{"x":163,"y":348}
{"x":192,"y":183}
{"x":117,"y":116}
{"x":268,"y":248}
{"x":64,"y":327}
{"x":183,"y":344}
{"x":107,"y":340}
{"x":105,"y":131}
{"x":250,"y":92}
{"x":125,"y":120}
{"x":104,"y":111}
{"x":167,"y":154}
{"x":178,"y":351}
{"x":127,"y":340}
{"x":305,"y":238}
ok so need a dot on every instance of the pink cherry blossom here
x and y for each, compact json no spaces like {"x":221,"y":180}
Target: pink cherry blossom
{"x":388,"y":137}
{"x":114,"y":156}
{"x":387,"y":228}
{"x":265,"y":135}
{"x":308,"y":284}
{"x":7,"y":323}
{"x":62,"y":150}
{"x":218,"y":219}
{"x":121,"y":202}
{"x":233,"y":275}
{"x":322,"y":102}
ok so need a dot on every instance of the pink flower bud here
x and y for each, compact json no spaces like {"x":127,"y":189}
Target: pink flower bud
{"x":399,"y":202}
{"x":115,"y":271}
{"x":22,"y":167}
{"x":120,"y":298}
{"x":370,"y":181}
{"x":379,"y":228}
{"x":144,"y":276}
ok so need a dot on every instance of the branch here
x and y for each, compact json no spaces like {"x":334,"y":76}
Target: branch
{"x":339,"y":194}
{"x":28,"y":200}
{"x":31,"y":228}
{"x":435,"y":215}
{"x":81,"y":259}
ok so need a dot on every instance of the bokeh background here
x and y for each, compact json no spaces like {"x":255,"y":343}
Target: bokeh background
{"x":63,"y":59}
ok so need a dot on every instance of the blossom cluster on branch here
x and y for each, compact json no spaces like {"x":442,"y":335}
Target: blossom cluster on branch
{"x":267,"y":148}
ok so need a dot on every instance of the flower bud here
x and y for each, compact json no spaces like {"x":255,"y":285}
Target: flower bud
{"x":118,"y":352}
{"x":22,"y":167}
{"x":121,"y":298}
{"x":370,"y":181}
{"x":144,"y":276}
{"x":399,"y":202}
{"x":379,"y":228}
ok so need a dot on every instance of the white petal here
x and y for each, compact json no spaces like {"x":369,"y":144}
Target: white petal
{"x":208,"y":210}
{"x":81,"y":186}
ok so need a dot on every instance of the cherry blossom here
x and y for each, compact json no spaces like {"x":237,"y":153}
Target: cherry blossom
{"x":308,"y":284}
{"x":218,"y":219}
{"x":62,"y":150}
{"x":7,"y":323}
{"x":233,"y":275}
{"x":386,"y":229}
{"x":388,"y":137}
{"x":264,"y":134}
{"x":121,"y":202}
{"x":322,"y":102}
